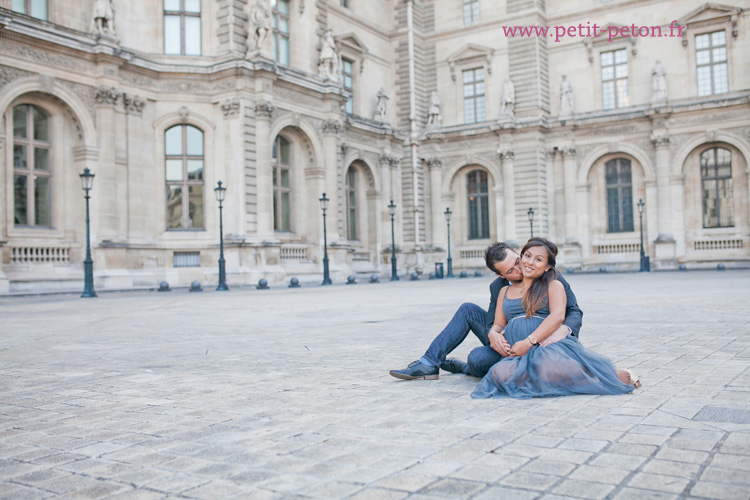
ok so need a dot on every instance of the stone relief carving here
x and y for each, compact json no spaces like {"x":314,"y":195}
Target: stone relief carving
{"x":434,"y":162}
{"x":85,"y":93}
{"x":8,"y":75}
{"x":103,"y":20}
{"x":390,"y":160}
{"x":568,"y":151}
{"x":133,"y":103}
{"x":106,"y":95}
{"x":332,"y":127}
{"x":506,"y":154}
{"x":231,"y":107}
{"x":434,"y":118}
{"x":660,"y":141}
{"x":183,"y":111}
{"x":42,"y":57}
{"x":264,"y":109}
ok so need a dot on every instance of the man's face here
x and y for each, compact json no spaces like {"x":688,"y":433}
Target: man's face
{"x":510,"y":267}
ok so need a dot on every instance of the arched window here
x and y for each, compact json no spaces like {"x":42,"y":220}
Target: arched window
{"x":351,"y":204}
{"x":182,"y":27}
{"x":184,"y":176}
{"x":619,"y":181}
{"x":31,"y":167}
{"x":282,"y":189}
{"x":478,"y":203}
{"x":716,"y":184}
{"x":280,"y":25}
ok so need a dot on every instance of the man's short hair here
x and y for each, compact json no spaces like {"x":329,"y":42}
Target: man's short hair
{"x":497,"y":252}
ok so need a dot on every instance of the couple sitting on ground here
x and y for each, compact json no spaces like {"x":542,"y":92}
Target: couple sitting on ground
{"x":530,"y":344}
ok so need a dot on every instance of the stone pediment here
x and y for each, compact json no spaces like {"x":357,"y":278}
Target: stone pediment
{"x":604,"y":38}
{"x":350,"y":43}
{"x":710,"y":13}
{"x":469,"y":53}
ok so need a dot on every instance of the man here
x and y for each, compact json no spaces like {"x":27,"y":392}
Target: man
{"x":504,"y":261}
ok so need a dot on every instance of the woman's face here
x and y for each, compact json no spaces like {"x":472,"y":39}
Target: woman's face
{"x":534,"y":262}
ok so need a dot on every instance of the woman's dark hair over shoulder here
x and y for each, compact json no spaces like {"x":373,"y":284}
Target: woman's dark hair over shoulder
{"x":536,"y":296}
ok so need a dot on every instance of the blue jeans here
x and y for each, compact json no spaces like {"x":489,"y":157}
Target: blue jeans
{"x":469,"y":317}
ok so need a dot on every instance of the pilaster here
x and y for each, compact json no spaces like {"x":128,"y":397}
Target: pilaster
{"x":507,"y":157}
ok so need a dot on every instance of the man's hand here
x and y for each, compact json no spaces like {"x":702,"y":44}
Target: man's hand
{"x":556,"y":336}
{"x":498,"y":342}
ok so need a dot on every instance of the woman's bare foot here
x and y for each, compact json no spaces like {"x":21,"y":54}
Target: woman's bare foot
{"x":628,"y":377}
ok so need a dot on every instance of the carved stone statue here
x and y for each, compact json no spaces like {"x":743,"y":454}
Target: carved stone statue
{"x":103,"y":19}
{"x":434,"y":118}
{"x":380,"y":107}
{"x":259,"y":26}
{"x":328,"y":67}
{"x":659,"y":83}
{"x":566,"y":98}
{"x":508,"y":99}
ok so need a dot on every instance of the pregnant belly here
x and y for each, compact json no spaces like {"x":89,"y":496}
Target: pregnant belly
{"x":519,"y":328}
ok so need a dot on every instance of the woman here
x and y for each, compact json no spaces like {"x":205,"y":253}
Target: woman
{"x":531,"y":311}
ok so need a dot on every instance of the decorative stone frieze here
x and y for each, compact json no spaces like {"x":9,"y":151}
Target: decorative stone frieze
{"x":264,"y":109}
{"x":436,"y":163}
{"x":568,"y":151}
{"x":231,"y":108}
{"x":332,"y":127}
{"x":107,"y":95}
{"x":660,"y":141}
{"x":390,"y":161}
{"x":506,"y":154}
{"x":133,"y":103}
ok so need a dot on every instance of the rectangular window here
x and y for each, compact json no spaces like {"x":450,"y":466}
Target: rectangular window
{"x":348,"y":80}
{"x":478,"y":203}
{"x":33,"y":8}
{"x":351,"y":204}
{"x":280,"y":25}
{"x":182,"y":27}
{"x":711,"y":63}
{"x":619,"y":181}
{"x":471,"y":11}
{"x":32,"y":167}
{"x":473,"y":80}
{"x":184,"y":163}
{"x":615,"y":79}
{"x":716,"y":181}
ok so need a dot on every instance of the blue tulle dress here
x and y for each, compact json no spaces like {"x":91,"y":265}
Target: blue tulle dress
{"x":560,"y":369}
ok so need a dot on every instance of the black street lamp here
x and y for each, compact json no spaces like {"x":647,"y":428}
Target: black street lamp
{"x":326,"y":274}
{"x":220,"y":193}
{"x":87,"y":182}
{"x":530,"y":213}
{"x":644,"y":261}
{"x":448,"y":215}
{"x":394,"y":267}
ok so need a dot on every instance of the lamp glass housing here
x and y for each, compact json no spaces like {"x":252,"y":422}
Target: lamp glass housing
{"x":220,"y":192}
{"x":324,"y":202}
{"x":448,"y":214}
{"x":87,"y":179}
{"x":392,"y":208}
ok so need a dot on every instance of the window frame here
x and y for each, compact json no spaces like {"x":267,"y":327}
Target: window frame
{"x":475,"y":96}
{"x":278,"y":189}
{"x":625,"y":224}
{"x":350,"y":190}
{"x":277,"y":34}
{"x":185,"y":183}
{"x":349,"y":104}
{"x":711,"y":64}
{"x":28,"y":9}
{"x":715,"y":179}
{"x":182,"y":14}
{"x":617,"y":104}
{"x":480,"y":228}
{"x":31,"y":172}
{"x":473,"y":16}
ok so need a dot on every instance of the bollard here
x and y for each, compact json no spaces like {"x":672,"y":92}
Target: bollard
{"x":351,"y":280}
{"x":477,"y":274}
{"x":463,"y":274}
{"x":720,"y":267}
{"x":433,"y":275}
{"x":374,"y":278}
{"x":414,"y":277}
{"x":262,"y":284}
{"x":602,"y":269}
{"x":570,"y":270}
{"x":683,"y":267}
{"x":195,"y":286}
{"x":164,"y":287}
{"x":294,"y":283}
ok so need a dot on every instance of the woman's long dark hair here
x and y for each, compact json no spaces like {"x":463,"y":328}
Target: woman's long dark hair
{"x":536,"y":296}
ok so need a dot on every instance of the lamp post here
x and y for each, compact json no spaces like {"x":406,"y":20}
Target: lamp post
{"x":220,"y":193}
{"x":326,"y":274}
{"x":394,"y":267}
{"x":87,"y":182}
{"x":448,"y":215}
{"x":644,"y":264}
{"x":530,"y":213}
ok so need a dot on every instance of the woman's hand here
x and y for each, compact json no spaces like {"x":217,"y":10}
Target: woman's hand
{"x":520,"y":348}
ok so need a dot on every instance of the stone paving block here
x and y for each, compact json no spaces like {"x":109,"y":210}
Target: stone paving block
{"x":599,"y":474}
{"x":569,"y":456}
{"x":100,"y":490}
{"x":138,"y":494}
{"x":66,"y":485}
{"x":639,"y":450}
{"x":24,"y":493}
{"x":583,"y":489}
{"x":407,"y":481}
{"x":14,"y":469}
{"x":693,"y":457}
{"x":719,"y":491}
{"x":724,"y":461}
{"x":379,"y":494}
{"x":529,"y":481}
{"x":617,"y":461}
{"x":578,"y":444}
{"x":40,"y":476}
{"x":212,"y":490}
{"x":479,"y":471}
{"x":506,"y":493}
{"x":727,"y":476}
{"x":638,"y":494}
{"x":671,"y":468}
{"x":549,"y":467}
{"x":435,"y":468}
{"x":669,"y":484}
{"x":331,"y":490}
{"x":453,"y":488}
{"x":737,"y":443}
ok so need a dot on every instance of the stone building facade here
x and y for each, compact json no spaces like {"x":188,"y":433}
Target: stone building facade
{"x":428,"y":103}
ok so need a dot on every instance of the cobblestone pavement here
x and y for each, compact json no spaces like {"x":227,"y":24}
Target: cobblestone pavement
{"x":286,"y":394}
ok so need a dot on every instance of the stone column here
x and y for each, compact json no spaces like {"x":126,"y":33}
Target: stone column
{"x":571,"y":213}
{"x":551,"y":157}
{"x":509,"y":194}
{"x":665,"y":243}
{"x":234,"y":172}
{"x":438,"y":237}
{"x":106,"y":173}
{"x":263,"y":112}
{"x":331,"y":130}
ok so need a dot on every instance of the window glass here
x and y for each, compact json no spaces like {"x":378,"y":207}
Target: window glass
{"x":619,"y":188}
{"x":192,"y":5}
{"x":39,"y":9}
{"x":195,"y":207}
{"x":172,"y":5}
{"x":192,"y":36}
{"x":174,"y":170}
{"x":41,"y":201}
{"x":19,"y":6}
{"x":20,"y":156}
{"x":174,"y":207}
{"x":284,"y":51}
{"x":40,"y":124}
{"x":172,"y":43}
{"x":286,"y":222}
{"x":284,"y":6}
{"x":194,"y":141}
{"x":173,"y":141}
{"x":195,"y":169}
{"x":20,"y":195}
{"x":19,"y":121}
{"x":284,"y":149}
{"x":41,"y":158}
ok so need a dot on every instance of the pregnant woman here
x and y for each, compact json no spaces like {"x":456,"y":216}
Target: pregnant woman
{"x":531,"y":311}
